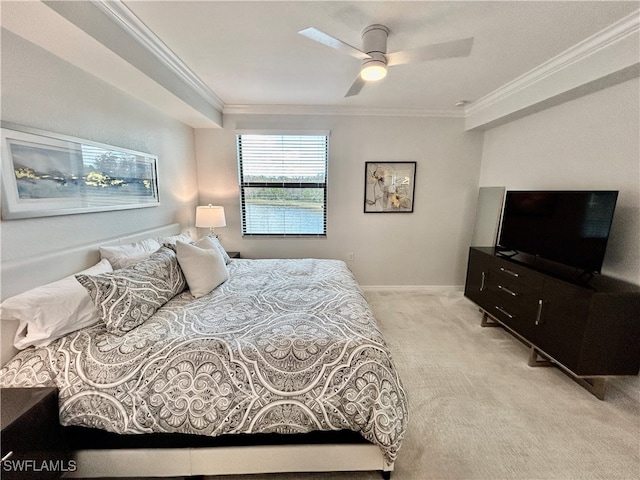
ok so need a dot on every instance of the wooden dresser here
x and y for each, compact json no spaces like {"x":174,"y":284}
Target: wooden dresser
{"x":589,"y":328}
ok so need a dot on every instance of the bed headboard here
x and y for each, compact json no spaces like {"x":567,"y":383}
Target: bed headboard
{"x":23,"y":274}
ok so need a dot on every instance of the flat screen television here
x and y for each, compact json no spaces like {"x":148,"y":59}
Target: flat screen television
{"x":567,"y":227}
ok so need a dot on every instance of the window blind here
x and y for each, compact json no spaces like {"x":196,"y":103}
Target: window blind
{"x":283,"y":184}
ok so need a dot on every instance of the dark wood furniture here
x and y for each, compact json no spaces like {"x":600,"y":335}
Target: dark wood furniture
{"x":233,"y":254}
{"x":587,"y":325}
{"x":33,"y":445}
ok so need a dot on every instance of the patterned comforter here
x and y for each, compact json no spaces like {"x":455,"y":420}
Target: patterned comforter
{"x":283,"y":346}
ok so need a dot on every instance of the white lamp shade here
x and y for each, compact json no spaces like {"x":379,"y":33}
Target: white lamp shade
{"x":210,"y":217}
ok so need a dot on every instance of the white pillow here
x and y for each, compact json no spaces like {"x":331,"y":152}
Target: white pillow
{"x":202,"y":265}
{"x":183,"y":237}
{"x":51,"y":311}
{"x":122,"y":255}
{"x":124,"y":262}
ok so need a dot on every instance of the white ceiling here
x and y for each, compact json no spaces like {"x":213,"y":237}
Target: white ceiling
{"x":249,"y":53}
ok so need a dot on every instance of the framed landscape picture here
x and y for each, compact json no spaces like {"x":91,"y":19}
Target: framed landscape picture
{"x":45,"y":174}
{"x":389,"y":187}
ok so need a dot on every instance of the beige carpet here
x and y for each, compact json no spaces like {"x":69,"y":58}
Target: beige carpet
{"x":477,"y":411}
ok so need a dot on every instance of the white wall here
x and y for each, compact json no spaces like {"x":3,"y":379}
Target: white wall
{"x":592,"y":142}
{"x":42,"y":91}
{"x":427,"y":247}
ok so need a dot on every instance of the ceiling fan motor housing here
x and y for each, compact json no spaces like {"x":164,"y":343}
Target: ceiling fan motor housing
{"x":374,"y":44}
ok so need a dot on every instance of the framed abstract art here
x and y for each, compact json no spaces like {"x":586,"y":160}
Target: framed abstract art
{"x":389,"y":187}
{"x":45,"y":174}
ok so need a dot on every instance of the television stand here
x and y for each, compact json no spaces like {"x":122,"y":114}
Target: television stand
{"x":591,"y":331}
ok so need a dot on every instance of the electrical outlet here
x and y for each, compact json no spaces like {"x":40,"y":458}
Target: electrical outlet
{"x":351,"y":256}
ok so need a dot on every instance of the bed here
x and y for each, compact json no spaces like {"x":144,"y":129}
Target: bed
{"x":273,"y":370}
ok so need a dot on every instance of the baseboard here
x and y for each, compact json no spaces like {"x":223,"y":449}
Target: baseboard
{"x":413,"y":288}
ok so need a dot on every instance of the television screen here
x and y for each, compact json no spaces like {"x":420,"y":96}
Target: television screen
{"x":568,"y":227}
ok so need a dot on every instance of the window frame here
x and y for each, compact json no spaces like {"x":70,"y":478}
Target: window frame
{"x":242,"y":184}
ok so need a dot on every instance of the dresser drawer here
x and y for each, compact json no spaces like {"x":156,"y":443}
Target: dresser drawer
{"x":514,"y":298}
{"x":517,"y":274}
{"x":517,"y":299}
{"x":523,"y":309}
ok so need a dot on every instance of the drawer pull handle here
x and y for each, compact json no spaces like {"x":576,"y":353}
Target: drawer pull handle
{"x":503,"y":311}
{"x":7,"y":456}
{"x":509,"y":272}
{"x":483,"y":280}
{"x":539,"y":314}
{"x":506,"y":290}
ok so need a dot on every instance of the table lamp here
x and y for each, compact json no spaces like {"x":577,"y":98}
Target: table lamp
{"x":210,"y":217}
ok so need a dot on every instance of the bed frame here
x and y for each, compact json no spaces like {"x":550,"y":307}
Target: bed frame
{"x":228,"y":461}
{"x":184,"y":457}
{"x":109,"y":454}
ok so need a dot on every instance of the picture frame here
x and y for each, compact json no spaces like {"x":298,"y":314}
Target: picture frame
{"x":389,"y":187}
{"x":47,"y":174}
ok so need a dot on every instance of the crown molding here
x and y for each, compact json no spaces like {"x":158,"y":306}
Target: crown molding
{"x":120,"y":14}
{"x":336,"y":110}
{"x":609,"y":37}
{"x":613,"y":34}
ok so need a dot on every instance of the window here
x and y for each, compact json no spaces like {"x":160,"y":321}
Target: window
{"x":283,"y":184}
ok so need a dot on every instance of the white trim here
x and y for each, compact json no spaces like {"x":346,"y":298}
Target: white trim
{"x":120,"y":14}
{"x":335,"y":110}
{"x":608,"y":37}
{"x":276,"y":131}
{"x":412,"y":288}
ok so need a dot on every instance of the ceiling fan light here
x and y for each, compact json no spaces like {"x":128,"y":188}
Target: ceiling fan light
{"x":374,"y":70}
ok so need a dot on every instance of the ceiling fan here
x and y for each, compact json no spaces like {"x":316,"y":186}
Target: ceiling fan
{"x":375,"y":58}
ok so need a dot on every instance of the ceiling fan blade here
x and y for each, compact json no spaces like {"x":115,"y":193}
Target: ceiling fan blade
{"x":356,"y":87}
{"x":326,"y":39}
{"x":455,"y":48}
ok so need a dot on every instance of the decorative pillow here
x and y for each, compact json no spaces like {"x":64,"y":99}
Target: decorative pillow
{"x":202,"y":265}
{"x":127,"y":297}
{"x":120,"y":256}
{"x":220,"y":248}
{"x":51,"y":311}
